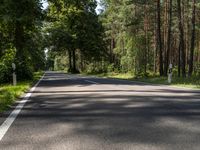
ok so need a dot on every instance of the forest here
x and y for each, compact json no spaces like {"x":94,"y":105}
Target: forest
{"x":140,"y":37}
{"x":147,"y":36}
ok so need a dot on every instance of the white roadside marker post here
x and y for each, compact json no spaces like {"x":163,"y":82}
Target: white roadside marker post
{"x":14,"y":75}
{"x":170,"y":74}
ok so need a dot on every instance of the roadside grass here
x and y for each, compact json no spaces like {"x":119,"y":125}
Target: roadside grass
{"x":9,"y":93}
{"x":193,"y":82}
{"x":115,"y":75}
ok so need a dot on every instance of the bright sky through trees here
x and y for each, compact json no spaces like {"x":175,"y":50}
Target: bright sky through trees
{"x":98,"y":7}
{"x":45,"y":5}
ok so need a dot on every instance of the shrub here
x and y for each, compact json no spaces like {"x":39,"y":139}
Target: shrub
{"x":6,"y":65}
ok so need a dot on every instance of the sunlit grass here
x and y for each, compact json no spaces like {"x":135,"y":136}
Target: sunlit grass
{"x":9,"y":93}
{"x":193,"y":82}
{"x":117,"y":75}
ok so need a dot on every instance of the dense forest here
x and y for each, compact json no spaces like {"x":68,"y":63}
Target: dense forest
{"x":147,"y":36}
{"x":141,"y":37}
{"x":21,"y":39}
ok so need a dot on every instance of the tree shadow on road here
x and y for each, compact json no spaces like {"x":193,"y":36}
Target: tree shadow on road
{"x":119,"y":117}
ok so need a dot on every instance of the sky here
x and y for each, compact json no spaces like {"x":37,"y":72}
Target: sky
{"x":45,"y":5}
{"x":98,"y":6}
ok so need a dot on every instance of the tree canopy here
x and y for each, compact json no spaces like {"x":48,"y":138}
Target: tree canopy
{"x":141,"y":37}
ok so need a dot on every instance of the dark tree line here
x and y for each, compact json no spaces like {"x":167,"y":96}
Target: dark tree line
{"x":20,"y":38}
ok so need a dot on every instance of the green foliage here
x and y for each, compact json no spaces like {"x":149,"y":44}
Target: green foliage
{"x":9,"y":93}
{"x":94,"y":68}
{"x":24,"y":71}
{"x":193,"y":82}
{"x":74,"y":27}
{"x":131,"y":32}
{"x":35,"y":46}
{"x":20,"y":23}
{"x":6,"y":65}
{"x":110,"y":68}
{"x":60,"y":63}
{"x":124,"y":27}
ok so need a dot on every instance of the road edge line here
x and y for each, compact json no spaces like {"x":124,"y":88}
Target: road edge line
{"x":13,"y":115}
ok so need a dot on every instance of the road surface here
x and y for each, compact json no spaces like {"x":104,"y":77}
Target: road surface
{"x":71,"y":112}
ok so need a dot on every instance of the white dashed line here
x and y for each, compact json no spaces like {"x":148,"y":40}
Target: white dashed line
{"x":91,"y":82}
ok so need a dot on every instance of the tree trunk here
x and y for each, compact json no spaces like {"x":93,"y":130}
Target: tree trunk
{"x":192,"y":39}
{"x":165,"y":27}
{"x":19,"y":41}
{"x":168,"y":42}
{"x":70,"y":60}
{"x":1,"y":41}
{"x":74,"y":70}
{"x":146,"y":39}
{"x":179,"y":60}
{"x":187,"y":31}
{"x":181,"y":36}
{"x":155,"y":50}
{"x":159,"y":42}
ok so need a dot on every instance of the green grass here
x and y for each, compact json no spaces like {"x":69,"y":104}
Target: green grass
{"x":9,"y":93}
{"x":193,"y":82}
{"x":115,"y":75}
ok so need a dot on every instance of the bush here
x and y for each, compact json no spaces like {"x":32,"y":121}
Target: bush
{"x":24,"y":71}
{"x":110,"y":68}
{"x":6,"y":65}
{"x":93,"y":69}
{"x":6,"y":98}
{"x":5,"y":73}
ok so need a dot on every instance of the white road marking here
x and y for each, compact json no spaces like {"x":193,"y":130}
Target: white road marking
{"x":91,"y":82}
{"x":11,"y":118}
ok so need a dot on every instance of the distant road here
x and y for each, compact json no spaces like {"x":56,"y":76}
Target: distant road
{"x":71,"y":112}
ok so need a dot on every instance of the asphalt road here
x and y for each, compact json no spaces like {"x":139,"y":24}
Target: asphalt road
{"x":69,"y":112}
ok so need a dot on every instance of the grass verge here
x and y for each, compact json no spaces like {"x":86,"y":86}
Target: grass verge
{"x":193,"y":82}
{"x":9,"y":93}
